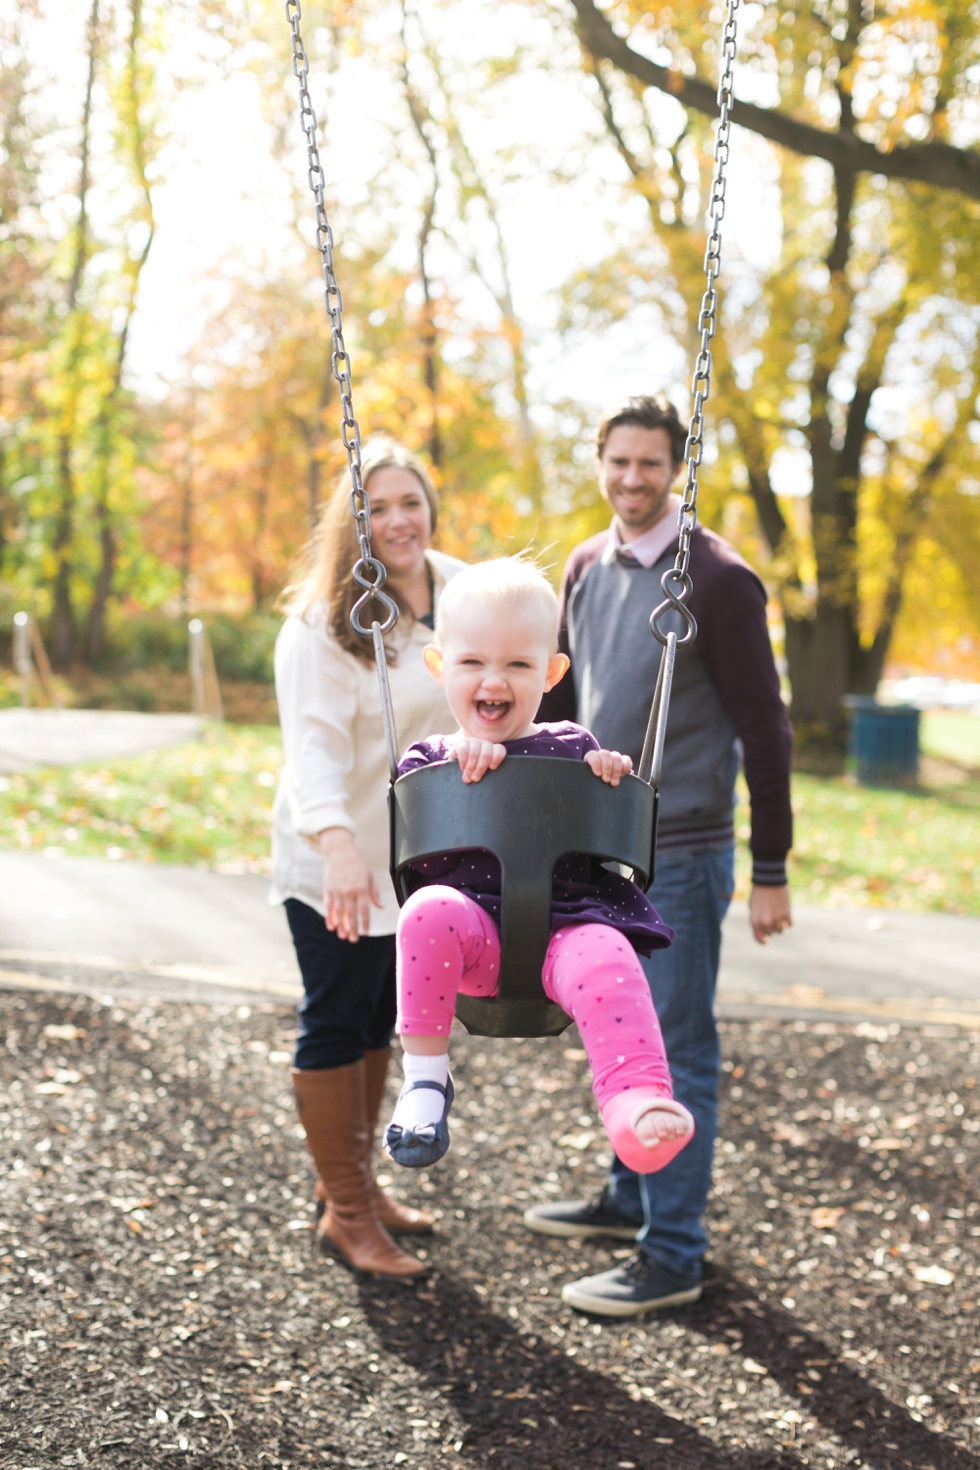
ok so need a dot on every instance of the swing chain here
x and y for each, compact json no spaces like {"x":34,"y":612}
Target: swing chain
{"x":369,"y":572}
{"x":676,"y":581}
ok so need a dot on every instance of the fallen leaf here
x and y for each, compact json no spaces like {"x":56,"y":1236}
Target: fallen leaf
{"x":577,"y":1140}
{"x":933,"y":1275}
{"x":826,"y":1219}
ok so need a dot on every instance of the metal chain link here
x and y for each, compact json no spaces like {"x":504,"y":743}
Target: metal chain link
{"x":369,"y":572}
{"x":676,"y":582}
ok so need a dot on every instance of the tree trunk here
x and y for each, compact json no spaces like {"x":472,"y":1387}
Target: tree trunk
{"x":63,"y":619}
{"x":104,"y":427}
{"x":316,"y":441}
{"x":103,"y":586}
{"x":63,"y":623}
{"x":261,"y":503}
{"x":816,"y":653}
{"x":186,"y":534}
{"x":423,"y":124}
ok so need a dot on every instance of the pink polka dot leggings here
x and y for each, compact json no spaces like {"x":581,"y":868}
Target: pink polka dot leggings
{"x":446,"y":943}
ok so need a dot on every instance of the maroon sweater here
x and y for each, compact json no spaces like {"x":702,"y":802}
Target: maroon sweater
{"x":728,"y":691}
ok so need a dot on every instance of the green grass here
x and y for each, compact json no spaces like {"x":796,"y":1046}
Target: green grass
{"x":209,"y":803}
{"x":862,"y":848}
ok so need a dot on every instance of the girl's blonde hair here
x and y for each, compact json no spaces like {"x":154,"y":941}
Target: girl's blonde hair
{"x":511,"y":582}
{"x":325,"y":573}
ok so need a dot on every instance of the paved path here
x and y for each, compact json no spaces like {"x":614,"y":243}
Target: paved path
{"x":138,"y":928}
{"x":129,"y":928}
{"x":68,"y":737}
{"x":867,"y":962}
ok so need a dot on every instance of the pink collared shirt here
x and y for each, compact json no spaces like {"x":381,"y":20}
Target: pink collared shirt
{"x":650,"y":547}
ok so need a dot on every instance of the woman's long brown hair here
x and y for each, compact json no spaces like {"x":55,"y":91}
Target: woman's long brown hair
{"x":326,"y":571}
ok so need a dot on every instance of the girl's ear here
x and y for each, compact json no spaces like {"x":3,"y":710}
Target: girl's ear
{"x":558,"y":666}
{"x":434,"y":662}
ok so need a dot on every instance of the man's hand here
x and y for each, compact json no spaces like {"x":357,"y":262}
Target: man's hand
{"x":476,"y":757}
{"x":349,"y":888}
{"x":609,"y":765}
{"x":769,"y":912}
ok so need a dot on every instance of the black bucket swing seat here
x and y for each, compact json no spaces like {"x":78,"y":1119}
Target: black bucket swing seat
{"x":529,"y":812}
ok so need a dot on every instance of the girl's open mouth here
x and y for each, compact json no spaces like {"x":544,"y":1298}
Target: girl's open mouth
{"x":493,"y":711}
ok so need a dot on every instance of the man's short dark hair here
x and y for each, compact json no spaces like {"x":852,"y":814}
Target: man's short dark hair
{"x":645,"y":413}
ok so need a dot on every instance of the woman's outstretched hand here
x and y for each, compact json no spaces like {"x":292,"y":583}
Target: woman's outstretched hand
{"x":609,"y":765}
{"x":476,"y":757}
{"x":349,"y":888}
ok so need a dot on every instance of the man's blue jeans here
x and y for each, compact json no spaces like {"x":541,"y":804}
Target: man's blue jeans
{"x":692,"y":893}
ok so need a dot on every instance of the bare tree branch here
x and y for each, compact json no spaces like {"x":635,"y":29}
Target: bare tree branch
{"x":423,"y":125}
{"x":929,"y":163}
{"x":471,"y":185}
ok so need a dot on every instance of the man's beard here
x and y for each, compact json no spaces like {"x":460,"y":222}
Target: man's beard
{"x":648,"y":517}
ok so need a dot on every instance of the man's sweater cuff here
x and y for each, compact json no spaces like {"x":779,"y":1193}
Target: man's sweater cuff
{"x":769,"y":872}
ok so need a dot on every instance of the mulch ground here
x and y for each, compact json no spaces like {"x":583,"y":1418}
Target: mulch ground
{"x":160,"y":1303}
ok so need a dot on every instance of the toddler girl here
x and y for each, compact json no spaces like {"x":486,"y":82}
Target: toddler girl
{"x":494,"y":653}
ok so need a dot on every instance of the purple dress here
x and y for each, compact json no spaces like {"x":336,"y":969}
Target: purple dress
{"x":584,"y":892}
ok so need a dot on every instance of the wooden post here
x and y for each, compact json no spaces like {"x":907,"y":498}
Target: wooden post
{"x":31,"y":662}
{"x":43,"y":665}
{"x":22,"y":656}
{"x":205,"y":689}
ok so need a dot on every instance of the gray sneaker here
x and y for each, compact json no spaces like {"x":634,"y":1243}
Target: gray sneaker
{"x":642,"y":1285}
{"x":581,"y":1220}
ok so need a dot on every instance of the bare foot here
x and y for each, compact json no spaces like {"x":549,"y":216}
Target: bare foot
{"x":657,"y":1125}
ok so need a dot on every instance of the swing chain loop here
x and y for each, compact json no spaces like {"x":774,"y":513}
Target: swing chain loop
{"x":369,"y":572}
{"x":676,"y":582}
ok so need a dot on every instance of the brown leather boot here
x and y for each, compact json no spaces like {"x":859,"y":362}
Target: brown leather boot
{"x":333,"y":1110}
{"x":392,"y":1214}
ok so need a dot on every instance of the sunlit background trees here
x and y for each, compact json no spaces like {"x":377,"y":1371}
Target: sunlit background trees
{"x":519,"y":194}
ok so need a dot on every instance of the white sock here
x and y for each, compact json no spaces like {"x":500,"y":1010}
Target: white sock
{"x":424,"y":1104}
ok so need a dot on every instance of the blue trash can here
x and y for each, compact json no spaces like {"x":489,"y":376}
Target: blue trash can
{"x":884,"y":741}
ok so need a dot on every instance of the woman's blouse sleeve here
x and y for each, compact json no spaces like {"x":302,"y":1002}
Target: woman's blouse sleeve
{"x":316,"y":687}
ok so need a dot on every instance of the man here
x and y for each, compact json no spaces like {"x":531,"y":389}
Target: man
{"x":725,"y":708}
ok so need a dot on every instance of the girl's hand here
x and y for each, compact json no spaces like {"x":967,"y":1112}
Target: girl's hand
{"x":609,"y":765}
{"x":349,"y":888}
{"x":476,"y":757}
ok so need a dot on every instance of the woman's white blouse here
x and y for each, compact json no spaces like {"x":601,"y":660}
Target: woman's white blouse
{"x":336,"y":769}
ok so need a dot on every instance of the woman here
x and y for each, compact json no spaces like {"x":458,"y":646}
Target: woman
{"x":330,"y":836}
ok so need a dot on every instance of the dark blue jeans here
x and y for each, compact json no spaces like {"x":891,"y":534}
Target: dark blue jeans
{"x":692,"y":893}
{"x":349,"y":1004}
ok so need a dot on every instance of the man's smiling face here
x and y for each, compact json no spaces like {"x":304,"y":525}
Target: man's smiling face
{"x":636,"y":471}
